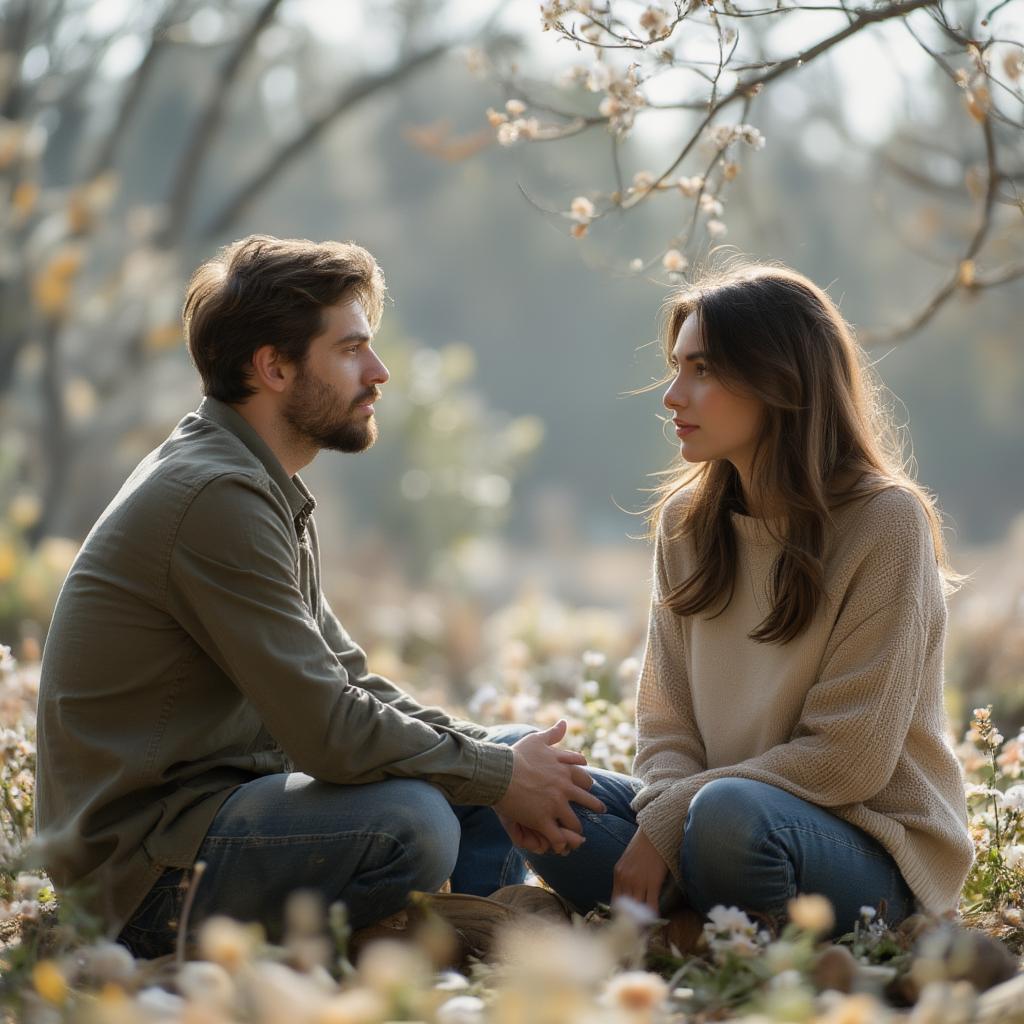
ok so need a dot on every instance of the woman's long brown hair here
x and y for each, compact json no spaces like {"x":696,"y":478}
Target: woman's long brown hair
{"x":825,"y":438}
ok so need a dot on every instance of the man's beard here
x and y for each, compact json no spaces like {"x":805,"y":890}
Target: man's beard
{"x":312,"y":412}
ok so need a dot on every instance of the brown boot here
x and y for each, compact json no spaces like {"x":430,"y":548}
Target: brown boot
{"x":683,"y":933}
{"x":534,"y":900}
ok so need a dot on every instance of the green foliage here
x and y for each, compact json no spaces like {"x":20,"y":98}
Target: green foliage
{"x":997,"y":821}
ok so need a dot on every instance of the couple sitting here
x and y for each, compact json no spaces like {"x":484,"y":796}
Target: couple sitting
{"x":201,"y":701}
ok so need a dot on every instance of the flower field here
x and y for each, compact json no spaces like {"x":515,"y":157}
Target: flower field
{"x":543,"y":661}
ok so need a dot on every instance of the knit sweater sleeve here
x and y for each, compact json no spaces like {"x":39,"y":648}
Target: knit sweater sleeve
{"x":856,"y":716}
{"x":669,"y":744}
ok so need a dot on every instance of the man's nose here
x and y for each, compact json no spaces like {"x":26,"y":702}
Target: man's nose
{"x":378,"y":372}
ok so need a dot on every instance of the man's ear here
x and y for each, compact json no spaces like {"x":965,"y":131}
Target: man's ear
{"x":270,"y":369}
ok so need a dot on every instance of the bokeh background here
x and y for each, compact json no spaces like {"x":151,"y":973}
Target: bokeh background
{"x":488,"y":551}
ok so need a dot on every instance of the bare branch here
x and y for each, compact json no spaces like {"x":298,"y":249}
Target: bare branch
{"x":348,"y":98}
{"x":134,"y":89}
{"x":957,"y":280}
{"x":205,"y":131}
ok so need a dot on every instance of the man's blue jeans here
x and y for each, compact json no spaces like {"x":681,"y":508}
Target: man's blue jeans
{"x":368,"y":846}
{"x":745,"y":844}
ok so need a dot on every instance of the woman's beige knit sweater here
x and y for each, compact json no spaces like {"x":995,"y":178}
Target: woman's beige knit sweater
{"x":849,"y":715}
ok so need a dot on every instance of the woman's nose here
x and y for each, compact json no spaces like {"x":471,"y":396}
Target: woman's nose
{"x":674,"y":397}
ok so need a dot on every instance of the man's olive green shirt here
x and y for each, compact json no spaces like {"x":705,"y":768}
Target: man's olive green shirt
{"x":192,"y":650}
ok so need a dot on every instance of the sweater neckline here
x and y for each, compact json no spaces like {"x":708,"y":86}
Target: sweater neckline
{"x":758,"y":531}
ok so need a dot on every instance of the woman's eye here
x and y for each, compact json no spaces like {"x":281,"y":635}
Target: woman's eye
{"x":700,"y":370}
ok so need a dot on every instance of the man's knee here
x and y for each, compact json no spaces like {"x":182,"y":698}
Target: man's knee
{"x":424,"y":826}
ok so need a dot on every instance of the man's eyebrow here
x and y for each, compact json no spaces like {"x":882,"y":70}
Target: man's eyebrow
{"x":354,"y":336}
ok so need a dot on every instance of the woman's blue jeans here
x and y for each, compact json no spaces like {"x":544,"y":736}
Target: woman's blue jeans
{"x":368,"y":846}
{"x":745,"y":844}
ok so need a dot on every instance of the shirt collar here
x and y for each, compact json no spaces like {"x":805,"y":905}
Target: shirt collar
{"x":300,"y":501}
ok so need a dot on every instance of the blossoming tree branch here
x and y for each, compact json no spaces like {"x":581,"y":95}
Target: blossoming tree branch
{"x":711,"y":62}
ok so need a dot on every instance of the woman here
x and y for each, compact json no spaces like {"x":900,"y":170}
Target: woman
{"x":790,"y":724}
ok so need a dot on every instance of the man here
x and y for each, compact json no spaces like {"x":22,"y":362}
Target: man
{"x":199,"y":699}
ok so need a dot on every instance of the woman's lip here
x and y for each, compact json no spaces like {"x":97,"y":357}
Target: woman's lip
{"x":683,"y":430}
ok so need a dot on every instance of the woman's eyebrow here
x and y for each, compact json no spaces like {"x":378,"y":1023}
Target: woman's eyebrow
{"x":691,"y":356}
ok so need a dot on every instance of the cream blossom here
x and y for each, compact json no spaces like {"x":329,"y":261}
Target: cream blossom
{"x":674,"y":261}
{"x":812,"y":913}
{"x":582,"y":210}
{"x":730,"y":919}
{"x":654,"y":21}
{"x":636,"y":991}
{"x":709,"y":204}
{"x":690,"y":186}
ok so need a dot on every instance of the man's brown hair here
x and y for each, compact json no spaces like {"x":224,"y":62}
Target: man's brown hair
{"x":270,"y":291}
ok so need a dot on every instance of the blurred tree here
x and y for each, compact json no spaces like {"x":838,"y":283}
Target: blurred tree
{"x":93,"y":249}
{"x":703,"y":67}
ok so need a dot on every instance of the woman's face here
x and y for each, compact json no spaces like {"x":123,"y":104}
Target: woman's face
{"x":711,"y":421}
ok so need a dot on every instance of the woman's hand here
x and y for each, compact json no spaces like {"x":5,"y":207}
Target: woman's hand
{"x":640,"y":872}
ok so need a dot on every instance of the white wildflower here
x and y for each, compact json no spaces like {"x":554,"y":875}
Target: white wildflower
{"x":461,"y":1010}
{"x":31,"y":887}
{"x":160,"y":1004}
{"x":206,"y":983}
{"x":1013,"y":856}
{"x":639,"y":913}
{"x":226,"y":942}
{"x":515,"y":108}
{"x":388,"y":966}
{"x":716,"y":229}
{"x":354,"y":1006}
{"x":1013,"y":798}
{"x":730,"y":919}
{"x":107,"y":962}
{"x":636,"y":991}
{"x":812,"y":912}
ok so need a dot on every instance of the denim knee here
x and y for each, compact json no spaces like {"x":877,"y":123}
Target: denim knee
{"x":424,"y":824}
{"x":723,"y":827}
